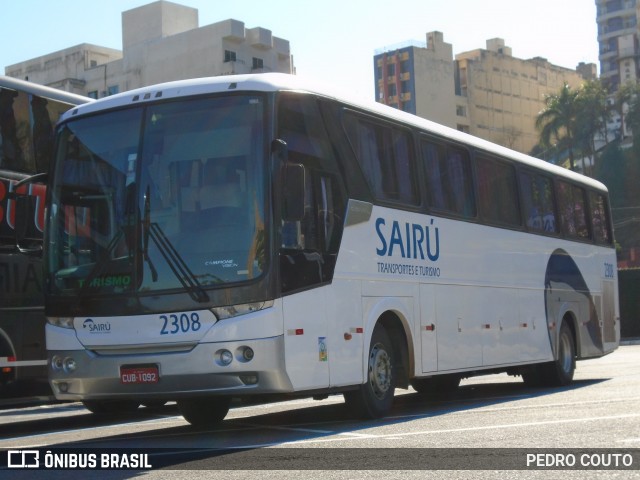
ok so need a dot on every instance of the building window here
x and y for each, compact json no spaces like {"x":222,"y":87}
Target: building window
{"x":112,"y":90}
{"x":258,"y":63}
{"x":93,"y":94}
{"x":391,"y":70}
{"x":229,"y":56}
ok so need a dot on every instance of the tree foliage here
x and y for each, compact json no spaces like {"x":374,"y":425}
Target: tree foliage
{"x":572,"y":119}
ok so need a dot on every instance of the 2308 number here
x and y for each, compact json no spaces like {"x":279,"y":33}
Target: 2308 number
{"x":182,"y":323}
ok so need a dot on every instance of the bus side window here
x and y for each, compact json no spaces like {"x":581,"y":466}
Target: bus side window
{"x":572,"y":209}
{"x":497,"y":193}
{"x":385,"y":155}
{"x":537,"y":200}
{"x":14,"y":131}
{"x":600,"y":218}
{"x":449,"y":182}
{"x":309,"y":246}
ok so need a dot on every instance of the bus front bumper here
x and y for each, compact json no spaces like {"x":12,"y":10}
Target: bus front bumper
{"x":91,"y":375}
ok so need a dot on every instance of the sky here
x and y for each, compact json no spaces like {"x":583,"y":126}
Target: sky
{"x":333,"y":41}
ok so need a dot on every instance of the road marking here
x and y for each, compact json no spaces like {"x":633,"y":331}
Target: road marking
{"x":472,"y":429}
{"x":287,"y":428}
{"x":630,"y":440}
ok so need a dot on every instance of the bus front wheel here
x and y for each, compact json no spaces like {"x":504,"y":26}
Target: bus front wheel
{"x":204,"y":411}
{"x":374,"y":398}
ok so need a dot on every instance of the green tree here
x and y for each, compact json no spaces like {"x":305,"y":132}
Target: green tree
{"x":623,"y":100}
{"x":592,"y":115}
{"x":558,"y":121}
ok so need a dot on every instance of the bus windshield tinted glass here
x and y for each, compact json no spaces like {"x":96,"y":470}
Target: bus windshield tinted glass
{"x":167,"y":196}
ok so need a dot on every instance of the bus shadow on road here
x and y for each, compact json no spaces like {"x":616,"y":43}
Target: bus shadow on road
{"x":240,"y":443}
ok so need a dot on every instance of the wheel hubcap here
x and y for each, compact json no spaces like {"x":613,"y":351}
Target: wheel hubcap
{"x":565,"y":354}
{"x":379,"y":371}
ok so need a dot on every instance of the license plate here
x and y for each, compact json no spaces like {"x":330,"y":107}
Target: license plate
{"x":138,"y":375}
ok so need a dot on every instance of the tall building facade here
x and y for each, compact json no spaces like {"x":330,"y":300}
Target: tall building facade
{"x":161,"y":42}
{"x":485,"y":92}
{"x":618,"y":38}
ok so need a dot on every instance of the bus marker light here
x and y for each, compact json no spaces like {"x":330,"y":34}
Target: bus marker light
{"x":69,"y":365}
{"x":297,"y":331}
{"x":247,"y":354}
{"x":57,"y":363}
{"x":348,"y":336}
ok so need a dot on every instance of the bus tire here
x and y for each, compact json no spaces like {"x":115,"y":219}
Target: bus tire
{"x":374,"y":398}
{"x":559,"y":372}
{"x":204,"y":411}
{"x":436,"y":387}
{"x":111,"y":407}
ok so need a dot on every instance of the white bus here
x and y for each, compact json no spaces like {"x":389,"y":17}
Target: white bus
{"x":28,"y":114}
{"x":251,"y":235}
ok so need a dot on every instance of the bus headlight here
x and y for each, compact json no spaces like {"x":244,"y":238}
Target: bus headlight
{"x":69,"y":365}
{"x":235,"y":310}
{"x":64,"y":322}
{"x":225,"y":357}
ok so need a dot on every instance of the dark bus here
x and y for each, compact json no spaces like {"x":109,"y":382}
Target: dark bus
{"x":28,"y":114}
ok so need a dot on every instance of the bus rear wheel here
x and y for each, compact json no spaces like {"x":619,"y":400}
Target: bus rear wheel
{"x":374,"y":398}
{"x":204,"y":411}
{"x":559,"y":372}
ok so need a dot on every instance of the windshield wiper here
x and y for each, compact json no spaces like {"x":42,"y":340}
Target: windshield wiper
{"x":102,"y":262}
{"x":177,"y":264}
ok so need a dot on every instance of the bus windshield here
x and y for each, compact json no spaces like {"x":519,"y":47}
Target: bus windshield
{"x":158,"y":197}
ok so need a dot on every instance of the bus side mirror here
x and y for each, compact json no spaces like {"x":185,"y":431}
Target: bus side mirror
{"x":28,"y":239}
{"x":293,"y":195}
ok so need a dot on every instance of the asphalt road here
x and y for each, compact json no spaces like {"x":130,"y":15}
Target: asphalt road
{"x":496,"y":416}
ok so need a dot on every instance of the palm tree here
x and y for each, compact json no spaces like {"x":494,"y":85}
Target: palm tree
{"x":558,"y":120}
{"x":593,"y":112}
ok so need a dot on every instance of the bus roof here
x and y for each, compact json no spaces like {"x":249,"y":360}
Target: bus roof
{"x":43,"y":91}
{"x":273,"y":82}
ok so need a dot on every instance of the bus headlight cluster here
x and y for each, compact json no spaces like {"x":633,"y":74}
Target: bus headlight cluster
{"x":67,"y":364}
{"x":230,"y":311}
{"x":243,"y":354}
{"x":64,"y":322}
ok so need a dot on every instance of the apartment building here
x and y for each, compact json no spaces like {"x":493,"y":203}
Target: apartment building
{"x":618,"y":41}
{"x":485,"y":92}
{"x":161,"y":42}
